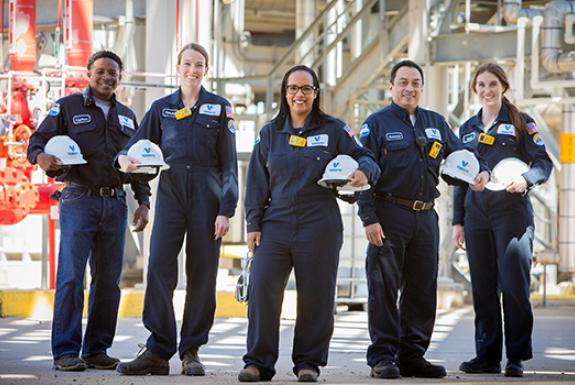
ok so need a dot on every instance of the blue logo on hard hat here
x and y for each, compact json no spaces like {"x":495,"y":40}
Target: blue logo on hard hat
{"x":463,"y":166}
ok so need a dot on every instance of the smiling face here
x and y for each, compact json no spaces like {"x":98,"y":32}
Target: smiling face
{"x":104,"y":75}
{"x":489,"y":89}
{"x":300,"y":102}
{"x":192,"y":68}
{"x":406,"y":88}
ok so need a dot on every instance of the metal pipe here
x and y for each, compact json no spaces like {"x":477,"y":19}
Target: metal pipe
{"x":512,"y":11}
{"x":552,"y":57}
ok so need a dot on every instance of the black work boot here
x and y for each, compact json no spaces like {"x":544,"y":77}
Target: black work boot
{"x":145,"y":363}
{"x":479,"y":365}
{"x":70,"y":364}
{"x":385,"y":369}
{"x":514,"y":368}
{"x":101,"y":361}
{"x":191,"y":365}
{"x":420,"y":367}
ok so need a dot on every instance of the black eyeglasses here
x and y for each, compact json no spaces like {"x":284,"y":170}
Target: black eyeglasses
{"x":293,"y":89}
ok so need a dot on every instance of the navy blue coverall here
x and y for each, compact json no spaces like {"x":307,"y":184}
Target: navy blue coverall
{"x":409,"y":157}
{"x":499,"y":232}
{"x":301,"y":229}
{"x":201,"y":184}
{"x":93,"y":220}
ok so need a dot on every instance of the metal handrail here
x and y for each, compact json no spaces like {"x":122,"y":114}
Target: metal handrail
{"x":319,"y":20}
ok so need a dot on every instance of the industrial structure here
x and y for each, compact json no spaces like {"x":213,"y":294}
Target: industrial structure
{"x":351,"y":43}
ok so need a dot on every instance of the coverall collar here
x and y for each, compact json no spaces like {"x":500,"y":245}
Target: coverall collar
{"x":503,"y":116}
{"x":288,"y":128}
{"x":401,"y":112}
{"x":89,"y":97}
{"x":176,"y":97}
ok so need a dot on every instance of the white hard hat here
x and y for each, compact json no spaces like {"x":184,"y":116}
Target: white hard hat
{"x":66,"y":149}
{"x":149,"y":155}
{"x":462,"y":165}
{"x":504,"y":172}
{"x":337,"y":172}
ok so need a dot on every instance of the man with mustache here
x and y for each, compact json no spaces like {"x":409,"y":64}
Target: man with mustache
{"x":93,"y":213}
{"x":401,"y":226}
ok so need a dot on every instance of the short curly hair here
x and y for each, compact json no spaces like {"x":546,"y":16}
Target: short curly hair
{"x":103,"y":53}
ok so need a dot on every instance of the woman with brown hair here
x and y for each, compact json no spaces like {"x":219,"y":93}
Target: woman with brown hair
{"x":499,"y":225}
{"x":195,"y":130}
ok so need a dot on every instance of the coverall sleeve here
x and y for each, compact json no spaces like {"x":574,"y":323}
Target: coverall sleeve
{"x":533,"y":146}
{"x":454,"y":144}
{"x":142,"y":190}
{"x":228,"y":162}
{"x":258,"y":183}
{"x":349,"y":145}
{"x":54,"y":124}
{"x":459,"y":193}
{"x":151,"y":129}
{"x":366,"y":203}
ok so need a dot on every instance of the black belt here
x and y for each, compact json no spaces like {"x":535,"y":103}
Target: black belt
{"x":103,"y":191}
{"x":414,"y":205}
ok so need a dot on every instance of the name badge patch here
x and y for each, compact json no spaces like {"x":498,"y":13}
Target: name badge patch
{"x":210,"y":109}
{"x":168,"y":113}
{"x":81,"y":119}
{"x":433,"y":133}
{"x":296,"y":141}
{"x":317,"y":140}
{"x":506,"y":129}
{"x":392,"y":136}
{"x":468,"y":137}
{"x":127,"y":122}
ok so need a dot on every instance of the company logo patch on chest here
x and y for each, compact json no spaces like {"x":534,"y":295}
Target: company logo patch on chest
{"x":433,"y":133}
{"x":317,"y":140}
{"x":126,"y":122}
{"x":469,"y":137}
{"x":506,"y":129}
{"x":210,"y":109}
{"x":81,"y":119}
{"x":393,"y":136}
{"x":168,"y":112}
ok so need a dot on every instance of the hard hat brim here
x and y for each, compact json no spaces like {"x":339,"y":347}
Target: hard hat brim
{"x":73,"y":162}
{"x":348,"y":189}
{"x":332,"y":183}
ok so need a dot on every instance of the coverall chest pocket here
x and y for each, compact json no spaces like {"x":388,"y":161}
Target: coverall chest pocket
{"x":86,"y":136}
{"x":507,"y":144}
{"x":316,"y":159}
{"x":396,"y":153}
{"x":208,"y":128}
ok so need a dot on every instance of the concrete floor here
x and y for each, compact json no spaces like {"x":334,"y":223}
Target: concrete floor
{"x":25,"y":352}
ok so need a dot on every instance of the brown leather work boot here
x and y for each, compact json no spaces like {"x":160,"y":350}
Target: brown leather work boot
{"x":307,"y":375}
{"x":145,"y":363}
{"x":101,"y":361}
{"x":249,"y":374}
{"x":191,"y":365}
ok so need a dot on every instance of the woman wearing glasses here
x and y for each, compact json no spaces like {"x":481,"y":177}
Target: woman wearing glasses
{"x":196,"y":197}
{"x":292,"y":222}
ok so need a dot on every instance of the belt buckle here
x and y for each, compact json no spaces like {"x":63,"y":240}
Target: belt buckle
{"x":418,"y":205}
{"x":106,"y":192}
